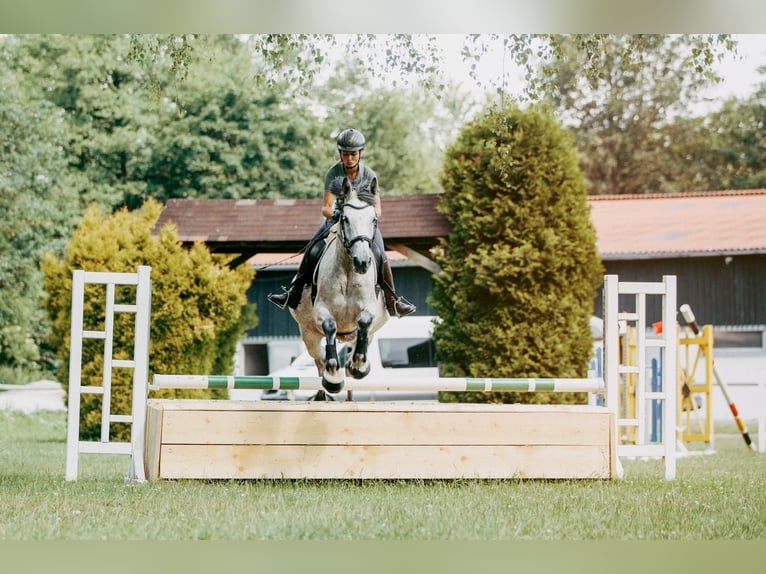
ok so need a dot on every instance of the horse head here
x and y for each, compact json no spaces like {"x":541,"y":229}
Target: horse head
{"x":357,"y":223}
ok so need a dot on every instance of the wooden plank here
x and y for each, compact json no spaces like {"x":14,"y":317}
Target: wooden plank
{"x":416,"y":257}
{"x":154,"y":414}
{"x":385,"y":427}
{"x":383,"y":462}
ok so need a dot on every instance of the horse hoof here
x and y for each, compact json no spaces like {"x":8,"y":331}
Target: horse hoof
{"x":332,"y":387}
{"x":321,"y":396}
{"x":357,"y":373}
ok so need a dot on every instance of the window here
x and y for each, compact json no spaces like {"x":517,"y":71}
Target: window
{"x":407,"y":353}
{"x":738,"y":337}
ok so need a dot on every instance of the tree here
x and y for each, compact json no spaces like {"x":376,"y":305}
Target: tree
{"x":407,"y":128}
{"x":199,"y":308}
{"x":224,"y":137}
{"x":629,"y":116}
{"x":416,"y":58}
{"x":619,"y":91}
{"x":537,"y":56}
{"x":38,"y":210}
{"x":736,"y":156}
{"x":521,"y":267}
{"x":107,"y":109}
{"x":297,"y":59}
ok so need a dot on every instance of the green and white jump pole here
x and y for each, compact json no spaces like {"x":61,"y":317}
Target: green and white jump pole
{"x":265,"y":382}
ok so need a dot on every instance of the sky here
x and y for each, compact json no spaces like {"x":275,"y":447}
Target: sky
{"x":741,"y":76}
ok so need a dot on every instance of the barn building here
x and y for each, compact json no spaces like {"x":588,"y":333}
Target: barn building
{"x":714,"y":242}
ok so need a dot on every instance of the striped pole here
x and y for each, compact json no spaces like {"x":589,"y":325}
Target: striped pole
{"x":688,"y":315}
{"x":265,"y":382}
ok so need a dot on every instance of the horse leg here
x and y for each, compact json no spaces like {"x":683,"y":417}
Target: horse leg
{"x":321,"y":396}
{"x":332,"y":377}
{"x":359,"y":367}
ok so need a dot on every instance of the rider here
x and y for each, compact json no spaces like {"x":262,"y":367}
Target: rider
{"x":350,"y":149}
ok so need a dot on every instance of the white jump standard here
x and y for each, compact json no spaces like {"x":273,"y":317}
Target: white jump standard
{"x":177,"y":439}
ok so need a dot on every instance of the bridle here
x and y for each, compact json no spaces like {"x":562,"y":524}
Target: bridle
{"x":348,"y":243}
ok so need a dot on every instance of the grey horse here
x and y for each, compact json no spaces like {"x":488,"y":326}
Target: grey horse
{"x":348,"y":307}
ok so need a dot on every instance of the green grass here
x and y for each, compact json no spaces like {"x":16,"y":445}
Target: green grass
{"x":718,"y":496}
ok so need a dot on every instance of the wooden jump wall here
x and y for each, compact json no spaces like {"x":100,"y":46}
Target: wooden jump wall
{"x":200,"y":439}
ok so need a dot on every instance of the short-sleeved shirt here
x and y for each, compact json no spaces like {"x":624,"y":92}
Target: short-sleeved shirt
{"x":334,"y":178}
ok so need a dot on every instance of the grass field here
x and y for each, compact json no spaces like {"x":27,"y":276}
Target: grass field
{"x":715,"y":497}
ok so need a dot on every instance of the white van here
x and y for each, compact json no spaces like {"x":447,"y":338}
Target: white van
{"x":402,"y":349}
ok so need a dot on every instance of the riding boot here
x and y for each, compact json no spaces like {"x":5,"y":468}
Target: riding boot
{"x":291,"y":295}
{"x":397,"y":306}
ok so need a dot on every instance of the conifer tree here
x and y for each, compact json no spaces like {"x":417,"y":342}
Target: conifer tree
{"x":521,"y":267}
{"x":199,"y":307}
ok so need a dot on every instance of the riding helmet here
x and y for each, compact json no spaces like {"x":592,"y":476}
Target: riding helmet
{"x":351,"y":140}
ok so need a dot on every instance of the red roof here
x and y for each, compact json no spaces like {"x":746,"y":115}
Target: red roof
{"x":627,"y":226}
{"x":683,"y":225}
{"x":285,"y":225}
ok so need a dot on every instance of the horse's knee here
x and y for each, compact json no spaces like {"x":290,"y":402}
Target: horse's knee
{"x":329,"y":328}
{"x":365,"y":320}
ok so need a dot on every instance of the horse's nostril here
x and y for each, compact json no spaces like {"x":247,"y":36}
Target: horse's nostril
{"x":361,"y":265}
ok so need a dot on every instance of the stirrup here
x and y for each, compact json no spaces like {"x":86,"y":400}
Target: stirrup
{"x":409,"y":308}
{"x":393,"y":308}
{"x":279,"y":299}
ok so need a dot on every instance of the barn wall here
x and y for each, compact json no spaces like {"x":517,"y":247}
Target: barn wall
{"x":414,"y":283}
{"x":720,"y":290}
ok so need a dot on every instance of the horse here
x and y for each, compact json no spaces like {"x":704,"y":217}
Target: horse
{"x":348,"y":306}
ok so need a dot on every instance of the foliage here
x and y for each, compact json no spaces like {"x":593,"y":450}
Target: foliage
{"x":403,"y":58}
{"x":621,"y":93}
{"x":521,"y":267}
{"x":297,"y":59}
{"x":108,"y":117}
{"x":198,"y":311}
{"x":736,"y":152}
{"x":629,"y":118}
{"x":209,"y":134}
{"x":221,"y":138}
{"x":37,"y":212}
{"x":540,"y":56}
{"x":406,"y":128}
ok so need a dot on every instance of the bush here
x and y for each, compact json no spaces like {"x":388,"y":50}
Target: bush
{"x":520,"y":269}
{"x":198,"y":312}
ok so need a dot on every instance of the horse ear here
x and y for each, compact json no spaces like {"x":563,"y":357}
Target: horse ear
{"x":374,"y":186}
{"x":345,"y":188}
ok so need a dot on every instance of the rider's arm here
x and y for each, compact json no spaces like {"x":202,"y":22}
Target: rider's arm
{"x":378,"y":209}
{"x":328,"y":205}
